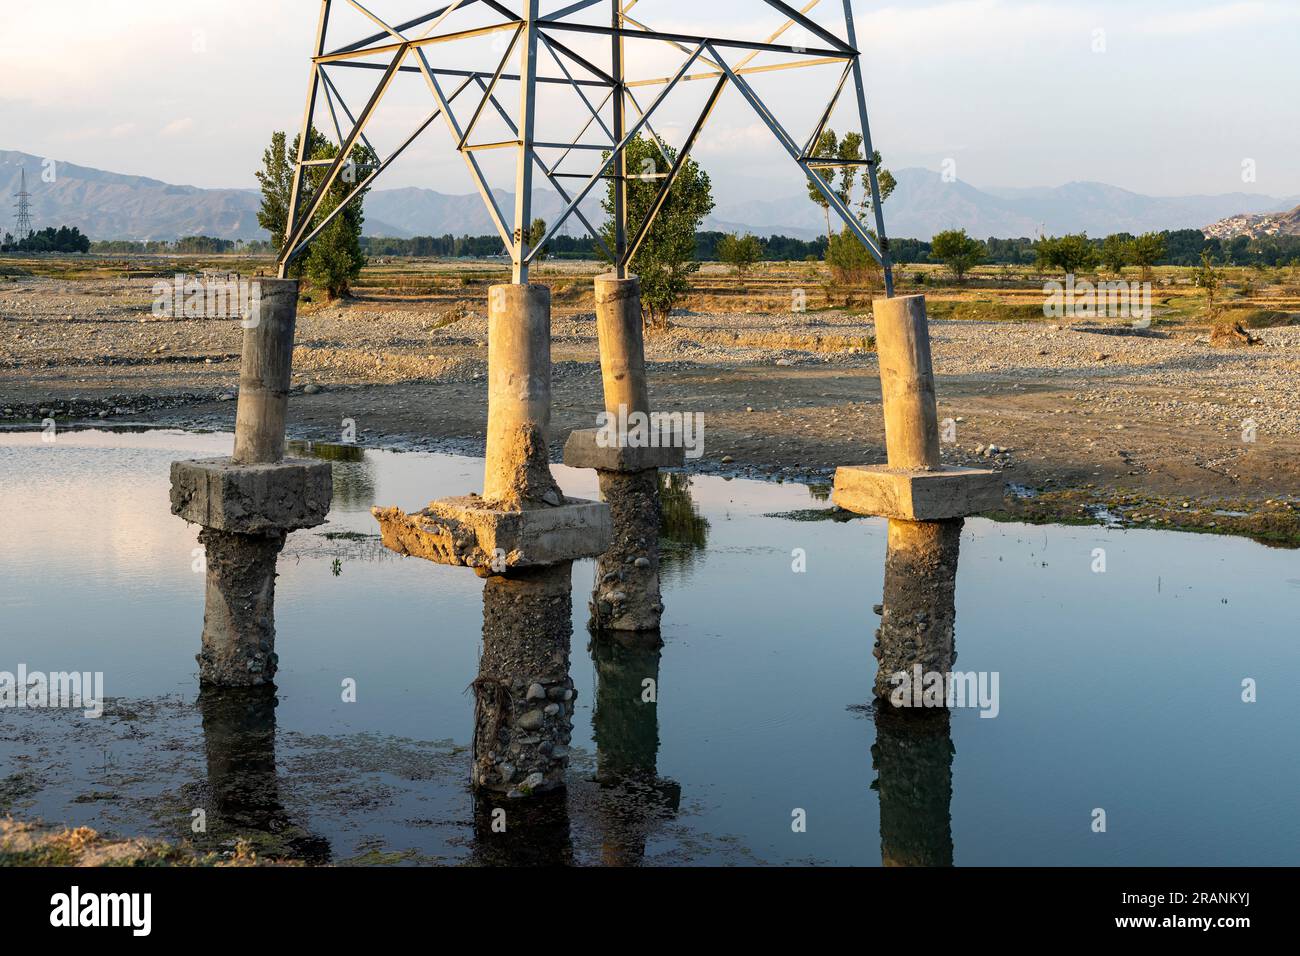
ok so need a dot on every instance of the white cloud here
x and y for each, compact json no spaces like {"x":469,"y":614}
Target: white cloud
{"x":177,"y":126}
{"x":1248,"y":14}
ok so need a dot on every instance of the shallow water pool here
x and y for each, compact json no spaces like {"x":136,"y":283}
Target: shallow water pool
{"x":1119,"y":690}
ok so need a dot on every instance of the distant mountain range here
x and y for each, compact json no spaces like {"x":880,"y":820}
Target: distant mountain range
{"x":108,"y":205}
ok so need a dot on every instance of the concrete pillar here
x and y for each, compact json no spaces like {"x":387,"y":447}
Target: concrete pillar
{"x":517,"y":472}
{"x":907,"y":383}
{"x":239,"y":609}
{"x":522,"y":535}
{"x":622,"y":348}
{"x":265,"y":371}
{"x":626,"y":596}
{"x":248,"y":503}
{"x":918,"y":612}
{"x":523,"y":695}
{"x":912,"y":757}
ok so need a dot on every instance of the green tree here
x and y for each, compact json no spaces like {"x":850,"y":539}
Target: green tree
{"x":1209,"y":279}
{"x":827,"y":148}
{"x":1115,"y":252}
{"x":1145,"y":251}
{"x":740,"y":252}
{"x":849,"y":260}
{"x":956,"y":250}
{"x":884,"y":179}
{"x":851,"y":263}
{"x":849,"y":152}
{"x":1071,"y":254}
{"x":335,"y":257}
{"x":667,"y":256}
{"x":535,"y":233}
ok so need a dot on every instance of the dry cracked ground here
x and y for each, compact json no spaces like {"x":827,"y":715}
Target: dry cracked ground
{"x":1160,"y":430}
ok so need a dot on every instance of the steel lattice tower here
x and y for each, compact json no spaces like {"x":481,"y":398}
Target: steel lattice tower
{"x":23,"y":221}
{"x":605,"y":107}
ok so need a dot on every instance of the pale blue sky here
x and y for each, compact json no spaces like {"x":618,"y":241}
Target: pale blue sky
{"x":1170,"y":98}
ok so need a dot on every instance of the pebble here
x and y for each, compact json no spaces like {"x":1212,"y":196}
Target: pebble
{"x":532,"y":720}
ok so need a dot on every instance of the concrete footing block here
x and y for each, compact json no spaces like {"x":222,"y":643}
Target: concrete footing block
{"x":586,"y":448}
{"x":917,"y":495}
{"x":470,"y":532}
{"x":219,"y":494}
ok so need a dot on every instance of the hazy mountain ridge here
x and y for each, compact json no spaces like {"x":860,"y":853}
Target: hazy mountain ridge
{"x":108,"y":205}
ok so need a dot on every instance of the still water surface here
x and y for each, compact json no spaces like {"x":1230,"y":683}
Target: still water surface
{"x":1119,"y":690}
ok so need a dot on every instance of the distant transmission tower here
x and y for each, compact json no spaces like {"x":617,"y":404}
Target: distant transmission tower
{"x":23,"y":223}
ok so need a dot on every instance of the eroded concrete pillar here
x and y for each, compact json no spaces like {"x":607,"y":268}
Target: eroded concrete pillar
{"x":523,"y":714}
{"x":522,"y":536}
{"x":620,"y":334}
{"x":248,"y":503}
{"x":517,"y":471}
{"x":912,"y":757}
{"x":265,"y":372}
{"x":913,"y":485}
{"x":907,"y":383}
{"x":626,"y":596}
{"x":925,"y":503}
{"x":239,"y":607}
{"x":918,"y":611}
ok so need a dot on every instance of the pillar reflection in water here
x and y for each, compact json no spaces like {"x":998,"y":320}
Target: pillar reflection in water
{"x":625,"y":725}
{"x":242,"y":784}
{"x":913,"y":752}
{"x":532,"y":832}
{"x":912,"y":758}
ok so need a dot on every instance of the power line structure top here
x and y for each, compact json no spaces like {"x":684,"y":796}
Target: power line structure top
{"x":539,"y":51}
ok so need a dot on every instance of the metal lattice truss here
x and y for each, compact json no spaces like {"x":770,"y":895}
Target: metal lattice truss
{"x":582,"y":46}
